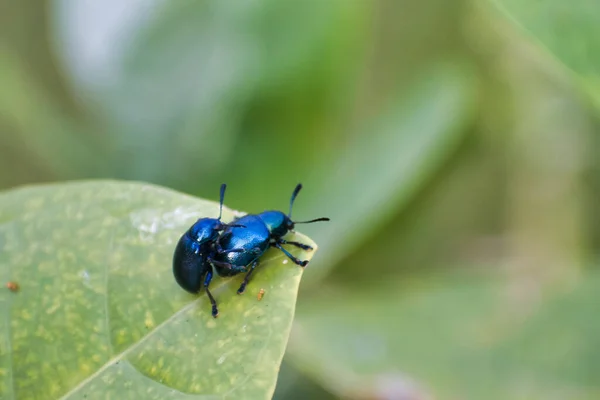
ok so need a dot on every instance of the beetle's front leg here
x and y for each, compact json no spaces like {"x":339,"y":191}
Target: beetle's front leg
{"x":297,"y":244}
{"x":301,"y":263}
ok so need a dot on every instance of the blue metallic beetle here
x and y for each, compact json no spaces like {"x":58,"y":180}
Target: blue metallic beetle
{"x":195,"y":254}
{"x":261,"y":231}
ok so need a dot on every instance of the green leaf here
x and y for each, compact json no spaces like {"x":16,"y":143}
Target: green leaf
{"x":388,"y":161}
{"x":99,"y":315}
{"x":181,"y":88}
{"x":186,"y":68}
{"x":459,"y":336}
{"x":568,"y":30}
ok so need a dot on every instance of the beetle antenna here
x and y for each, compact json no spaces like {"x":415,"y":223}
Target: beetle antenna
{"x":222,"y":197}
{"x":312,"y":220}
{"x":296,"y":190}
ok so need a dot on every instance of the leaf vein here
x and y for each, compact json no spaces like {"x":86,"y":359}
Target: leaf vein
{"x":106,"y":282}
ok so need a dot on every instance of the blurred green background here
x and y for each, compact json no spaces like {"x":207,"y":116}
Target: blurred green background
{"x":454,"y":144}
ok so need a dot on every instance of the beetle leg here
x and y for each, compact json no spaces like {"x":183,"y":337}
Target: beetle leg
{"x":301,"y":263}
{"x":247,"y":278}
{"x":224,"y":264}
{"x":207,"y":279}
{"x":220,"y":264}
{"x":297,"y":244}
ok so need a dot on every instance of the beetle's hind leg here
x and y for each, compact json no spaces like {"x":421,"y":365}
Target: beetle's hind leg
{"x":247,"y":278}
{"x":301,"y":263}
{"x":207,"y":279}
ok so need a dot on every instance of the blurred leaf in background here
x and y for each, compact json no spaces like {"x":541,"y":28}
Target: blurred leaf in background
{"x":453,"y":144}
{"x":569,"y":31}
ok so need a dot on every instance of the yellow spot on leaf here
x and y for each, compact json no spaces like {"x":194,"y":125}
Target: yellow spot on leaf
{"x":149,"y":321}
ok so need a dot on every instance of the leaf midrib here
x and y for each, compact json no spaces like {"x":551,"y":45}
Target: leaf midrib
{"x":131,"y":348}
{"x":134,"y":346}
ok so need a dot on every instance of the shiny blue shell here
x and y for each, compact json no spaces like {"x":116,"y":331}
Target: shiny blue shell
{"x":253,"y":239}
{"x":205,"y":230}
{"x":191,"y":254}
{"x":277,"y":223}
{"x":189,"y":264}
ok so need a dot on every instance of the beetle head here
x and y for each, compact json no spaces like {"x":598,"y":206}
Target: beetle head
{"x":280,"y":224}
{"x":207,"y":229}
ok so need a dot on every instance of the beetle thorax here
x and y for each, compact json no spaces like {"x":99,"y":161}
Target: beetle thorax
{"x":277,"y":222}
{"x":205,"y":230}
